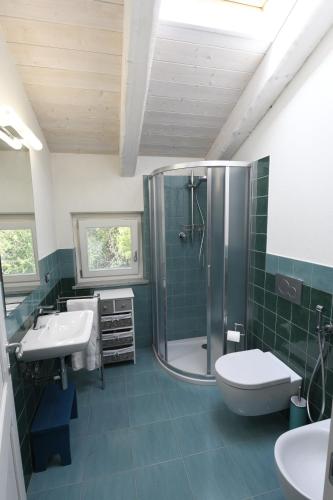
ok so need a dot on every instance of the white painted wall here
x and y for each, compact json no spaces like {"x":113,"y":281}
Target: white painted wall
{"x":16,"y":194}
{"x":297,"y":134}
{"x":92,"y":183}
{"x":13,"y":94}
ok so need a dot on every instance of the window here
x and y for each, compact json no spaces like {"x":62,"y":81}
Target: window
{"x":18,"y":250}
{"x":108,"y":247}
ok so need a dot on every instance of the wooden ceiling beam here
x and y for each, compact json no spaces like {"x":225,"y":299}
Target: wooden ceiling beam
{"x":140,"y":23}
{"x":304,"y":28}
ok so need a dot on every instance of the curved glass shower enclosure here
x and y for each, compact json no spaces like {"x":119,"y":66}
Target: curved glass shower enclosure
{"x":199,"y":219}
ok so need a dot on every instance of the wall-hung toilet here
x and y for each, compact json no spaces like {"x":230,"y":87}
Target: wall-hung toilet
{"x":255,"y":382}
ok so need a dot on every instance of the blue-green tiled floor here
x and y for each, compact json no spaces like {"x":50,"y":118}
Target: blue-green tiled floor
{"x":148,"y":436}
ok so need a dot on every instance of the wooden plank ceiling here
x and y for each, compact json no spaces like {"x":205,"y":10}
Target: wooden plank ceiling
{"x":69,"y":55}
{"x":196,"y":79}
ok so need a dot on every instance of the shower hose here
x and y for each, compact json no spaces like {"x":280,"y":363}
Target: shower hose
{"x":320,"y":363}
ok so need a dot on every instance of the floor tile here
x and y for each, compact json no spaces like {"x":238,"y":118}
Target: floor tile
{"x":109,"y":453}
{"x":199,"y":432}
{"x":256,"y":461}
{"x":129,"y":439}
{"x":166,"y":481}
{"x":184,"y":401}
{"x":120,"y":486}
{"x":168,"y":382}
{"x":116,"y":371}
{"x":211,"y":397}
{"x":154,"y":443}
{"x":80,"y":425}
{"x":213,"y":476}
{"x":58,"y":475}
{"x":109,"y":416}
{"x":72,"y":492}
{"x":142,"y":383}
{"x":266,"y":428}
{"x":272,"y":495}
{"x":114,"y":389}
{"x":236,"y":428}
{"x":84,"y":383}
{"x":147,"y":409}
{"x":145,"y":361}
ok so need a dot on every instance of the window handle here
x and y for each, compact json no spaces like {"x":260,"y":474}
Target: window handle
{"x":135,"y":256}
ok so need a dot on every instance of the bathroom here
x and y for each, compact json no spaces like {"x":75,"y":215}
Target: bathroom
{"x":166,"y":246}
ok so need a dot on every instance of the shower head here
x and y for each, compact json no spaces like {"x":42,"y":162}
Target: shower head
{"x":201,"y":179}
{"x":195,"y":182}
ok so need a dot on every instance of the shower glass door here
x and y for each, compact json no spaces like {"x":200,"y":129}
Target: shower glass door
{"x":157,"y":236}
{"x":185,"y":202}
{"x":227,"y":258}
{"x":199,"y":240}
{"x":216,"y":253}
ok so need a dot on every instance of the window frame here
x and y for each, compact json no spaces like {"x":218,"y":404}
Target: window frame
{"x":81,"y":222}
{"x":22,"y":221}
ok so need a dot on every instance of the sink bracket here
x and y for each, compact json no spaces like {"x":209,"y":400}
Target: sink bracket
{"x":63,"y":374}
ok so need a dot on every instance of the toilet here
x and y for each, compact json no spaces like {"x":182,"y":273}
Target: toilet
{"x":254,"y":382}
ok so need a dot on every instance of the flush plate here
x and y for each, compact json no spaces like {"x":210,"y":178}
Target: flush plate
{"x":289,"y":288}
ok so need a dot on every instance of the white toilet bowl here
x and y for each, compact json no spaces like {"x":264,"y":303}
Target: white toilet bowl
{"x":255,"y":382}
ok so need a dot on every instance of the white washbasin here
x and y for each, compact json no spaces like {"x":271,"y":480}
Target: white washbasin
{"x":300,"y":456}
{"x":57,"y":335}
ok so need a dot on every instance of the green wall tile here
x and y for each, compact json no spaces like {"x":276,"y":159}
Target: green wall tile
{"x":283,"y":308}
{"x":276,"y":324}
{"x":262,"y":186}
{"x":300,"y":316}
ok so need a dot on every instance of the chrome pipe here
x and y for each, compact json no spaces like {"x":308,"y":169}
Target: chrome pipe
{"x":63,"y":374}
{"x":192,"y":205}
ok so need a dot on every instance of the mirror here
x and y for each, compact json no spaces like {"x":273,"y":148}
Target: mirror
{"x":18,"y":248}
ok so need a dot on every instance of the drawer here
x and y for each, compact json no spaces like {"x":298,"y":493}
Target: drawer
{"x":117,"y":339}
{"x":122,"y":305}
{"x":117,"y":355}
{"x":116,"y":321}
{"x":107,"y":307}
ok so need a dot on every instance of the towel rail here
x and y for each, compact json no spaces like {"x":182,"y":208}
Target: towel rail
{"x":62,"y":301}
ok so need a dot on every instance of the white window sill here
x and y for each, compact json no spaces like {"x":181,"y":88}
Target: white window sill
{"x":23,"y":287}
{"x":109,"y":284}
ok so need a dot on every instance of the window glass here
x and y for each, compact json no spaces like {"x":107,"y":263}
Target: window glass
{"x":17,"y":252}
{"x":109,"y":248}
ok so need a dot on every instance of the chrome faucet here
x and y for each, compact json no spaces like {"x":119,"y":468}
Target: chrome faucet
{"x":42,"y":311}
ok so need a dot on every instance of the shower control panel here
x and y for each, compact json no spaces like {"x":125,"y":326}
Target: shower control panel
{"x":289,"y":288}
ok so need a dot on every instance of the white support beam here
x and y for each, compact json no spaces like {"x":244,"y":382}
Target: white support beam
{"x":140,"y":23}
{"x":306,"y":25}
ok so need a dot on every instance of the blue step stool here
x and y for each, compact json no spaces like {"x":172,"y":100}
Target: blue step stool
{"x":50,"y":427}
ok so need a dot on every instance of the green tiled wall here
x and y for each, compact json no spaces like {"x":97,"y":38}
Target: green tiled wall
{"x":275,"y":324}
{"x":313,"y":275}
{"x":186,"y":277}
{"x":26,"y":393}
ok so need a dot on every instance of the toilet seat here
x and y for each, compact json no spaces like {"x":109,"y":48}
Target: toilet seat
{"x":253,"y":369}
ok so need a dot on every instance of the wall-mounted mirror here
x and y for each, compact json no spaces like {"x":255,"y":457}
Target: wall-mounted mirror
{"x":18,"y":248}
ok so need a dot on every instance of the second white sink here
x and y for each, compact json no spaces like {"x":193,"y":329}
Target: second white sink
{"x":300,"y":456}
{"x":57,"y":335}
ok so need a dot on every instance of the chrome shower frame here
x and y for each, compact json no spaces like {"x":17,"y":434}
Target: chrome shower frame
{"x":157,"y":235}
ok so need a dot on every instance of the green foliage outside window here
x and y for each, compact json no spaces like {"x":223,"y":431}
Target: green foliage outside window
{"x":109,"y":247}
{"x":17,"y":253}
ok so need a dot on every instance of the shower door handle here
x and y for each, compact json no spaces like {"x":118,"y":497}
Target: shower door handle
{"x":209,"y":268}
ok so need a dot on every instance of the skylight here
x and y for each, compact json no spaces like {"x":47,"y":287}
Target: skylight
{"x":256,"y":19}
